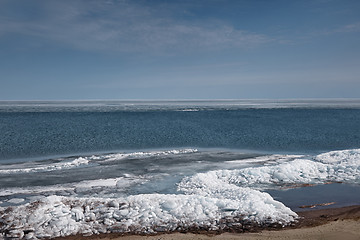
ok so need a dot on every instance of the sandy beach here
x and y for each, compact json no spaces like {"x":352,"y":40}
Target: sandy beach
{"x":332,"y":223}
{"x":345,"y":230}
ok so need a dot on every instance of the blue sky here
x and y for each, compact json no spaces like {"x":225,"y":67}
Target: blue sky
{"x":190,"y":49}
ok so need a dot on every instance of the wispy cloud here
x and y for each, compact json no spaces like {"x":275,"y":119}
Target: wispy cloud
{"x":124,"y":26}
{"x":349,"y":28}
{"x":339,"y":29}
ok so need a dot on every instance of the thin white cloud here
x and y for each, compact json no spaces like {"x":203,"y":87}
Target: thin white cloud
{"x":349,"y":28}
{"x":343,"y":29}
{"x":126,"y":26}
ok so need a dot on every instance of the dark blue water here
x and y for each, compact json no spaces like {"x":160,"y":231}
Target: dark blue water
{"x":34,"y":133}
{"x":339,"y":195}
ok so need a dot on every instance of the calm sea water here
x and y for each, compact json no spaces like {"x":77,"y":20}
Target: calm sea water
{"x":38,"y":129}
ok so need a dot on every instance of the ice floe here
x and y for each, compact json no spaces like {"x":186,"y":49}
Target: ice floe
{"x":87,"y":187}
{"x":10,"y":169}
{"x":86,"y":160}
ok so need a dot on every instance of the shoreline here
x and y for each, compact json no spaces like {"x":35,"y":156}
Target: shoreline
{"x":329,"y":223}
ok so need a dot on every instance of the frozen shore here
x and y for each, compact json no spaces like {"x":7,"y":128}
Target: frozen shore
{"x":215,"y":201}
{"x":57,"y":216}
{"x":332,"y":223}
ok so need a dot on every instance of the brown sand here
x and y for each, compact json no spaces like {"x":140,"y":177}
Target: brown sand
{"x":332,"y":224}
{"x":343,"y":229}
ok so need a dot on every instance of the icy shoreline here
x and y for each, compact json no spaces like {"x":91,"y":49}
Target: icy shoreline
{"x":210,"y":200}
{"x":57,"y":216}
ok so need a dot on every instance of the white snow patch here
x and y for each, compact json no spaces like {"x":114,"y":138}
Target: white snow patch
{"x":56,"y":216}
{"x":16,"y":200}
{"x":120,"y":156}
{"x":351,"y":156}
{"x":273,"y":159}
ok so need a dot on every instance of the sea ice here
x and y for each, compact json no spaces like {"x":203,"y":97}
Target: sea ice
{"x":351,"y":156}
{"x":82,"y":187}
{"x":343,"y":166}
{"x":204,"y":200}
{"x":16,"y":200}
{"x":55,"y":216}
{"x":51,"y":167}
{"x":120,"y":156}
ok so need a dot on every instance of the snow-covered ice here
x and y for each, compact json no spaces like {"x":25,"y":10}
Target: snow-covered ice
{"x":55,"y":216}
{"x":86,"y":160}
{"x":81,"y":161}
{"x":120,"y":156}
{"x":202,"y":200}
{"x":335,"y":166}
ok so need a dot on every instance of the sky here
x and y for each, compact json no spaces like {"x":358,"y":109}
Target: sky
{"x":188,"y":49}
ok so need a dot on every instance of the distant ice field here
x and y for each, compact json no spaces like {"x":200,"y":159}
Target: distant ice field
{"x":172,"y":105}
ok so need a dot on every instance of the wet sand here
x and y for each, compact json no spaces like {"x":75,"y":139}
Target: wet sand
{"x":332,"y":223}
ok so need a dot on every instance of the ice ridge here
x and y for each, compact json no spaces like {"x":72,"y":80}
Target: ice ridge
{"x":56,"y":216}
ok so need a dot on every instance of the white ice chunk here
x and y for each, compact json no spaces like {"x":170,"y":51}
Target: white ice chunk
{"x":16,"y":200}
{"x":62,"y":216}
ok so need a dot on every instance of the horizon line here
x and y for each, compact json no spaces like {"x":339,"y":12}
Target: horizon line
{"x":177,"y":100}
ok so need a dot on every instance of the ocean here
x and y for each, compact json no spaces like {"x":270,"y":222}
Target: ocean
{"x":88,"y":167}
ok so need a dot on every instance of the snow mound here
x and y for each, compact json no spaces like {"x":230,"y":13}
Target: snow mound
{"x":336,"y":166}
{"x":351,"y":156}
{"x":56,"y":216}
